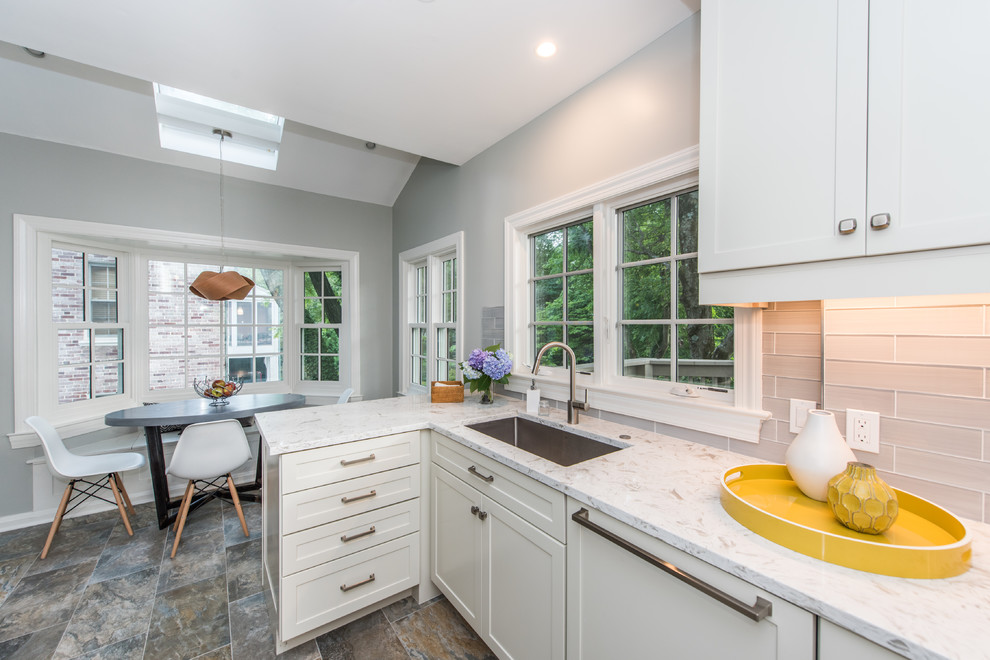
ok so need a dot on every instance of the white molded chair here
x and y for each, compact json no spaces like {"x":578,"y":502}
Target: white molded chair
{"x":66,"y":465}
{"x":345,"y":395}
{"x":208,"y":451}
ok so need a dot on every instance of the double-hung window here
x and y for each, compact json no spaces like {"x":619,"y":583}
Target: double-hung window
{"x":190,"y":338}
{"x":563,"y":292}
{"x":431,"y":279}
{"x":612,"y":271}
{"x":665,"y":334}
{"x":322,"y":324}
{"x":86,"y":324}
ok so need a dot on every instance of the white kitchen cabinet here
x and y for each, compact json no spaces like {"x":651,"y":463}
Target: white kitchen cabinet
{"x":835,"y":643}
{"x":341,"y":532}
{"x":841,"y":130}
{"x":625,"y":601}
{"x":504,"y":575}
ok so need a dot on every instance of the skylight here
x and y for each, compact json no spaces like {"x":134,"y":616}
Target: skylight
{"x":186,"y":122}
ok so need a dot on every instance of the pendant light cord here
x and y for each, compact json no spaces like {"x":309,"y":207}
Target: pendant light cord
{"x":223,"y":251}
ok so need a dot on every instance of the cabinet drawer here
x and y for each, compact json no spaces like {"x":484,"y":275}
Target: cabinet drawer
{"x":327,"y":465}
{"x":532,"y":501}
{"x":322,"y":594}
{"x":318,"y":506}
{"x":324,"y":543}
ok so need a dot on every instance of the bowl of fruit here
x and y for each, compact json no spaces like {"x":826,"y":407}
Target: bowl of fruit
{"x":218,"y":391}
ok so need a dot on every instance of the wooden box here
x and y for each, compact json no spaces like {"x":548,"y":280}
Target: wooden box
{"x":446,"y":391}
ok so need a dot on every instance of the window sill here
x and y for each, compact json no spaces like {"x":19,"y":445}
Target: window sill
{"x":28,"y":438}
{"x":699,"y":415}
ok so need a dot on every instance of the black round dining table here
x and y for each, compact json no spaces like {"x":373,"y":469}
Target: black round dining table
{"x":193,"y":411}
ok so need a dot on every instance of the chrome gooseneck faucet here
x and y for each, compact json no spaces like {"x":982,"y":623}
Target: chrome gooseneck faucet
{"x":572,"y":405}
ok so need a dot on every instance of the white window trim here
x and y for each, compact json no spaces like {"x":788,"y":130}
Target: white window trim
{"x":347,"y":337}
{"x":740,"y":419}
{"x":408,"y":261}
{"x":30,"y":231}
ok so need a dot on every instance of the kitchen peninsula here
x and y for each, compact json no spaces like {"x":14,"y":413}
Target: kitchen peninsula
{"x":662,"y":486}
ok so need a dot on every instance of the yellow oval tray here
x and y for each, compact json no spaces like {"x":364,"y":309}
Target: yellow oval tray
{"x":926,"y":541}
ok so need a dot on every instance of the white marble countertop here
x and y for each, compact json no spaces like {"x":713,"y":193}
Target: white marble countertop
{"x":669,"y":488}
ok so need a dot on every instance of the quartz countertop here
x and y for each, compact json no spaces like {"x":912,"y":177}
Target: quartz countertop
{"x":669,"y":488}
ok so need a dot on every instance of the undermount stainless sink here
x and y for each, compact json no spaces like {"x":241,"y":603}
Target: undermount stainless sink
{"x":554,"y":444}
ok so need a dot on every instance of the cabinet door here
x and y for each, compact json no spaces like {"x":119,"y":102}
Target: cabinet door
{"x":783,"y":132}
{"x":835,"y":643}
{"x":619,"y":605}
{"x":524,"y":578}
{"x":929,"y":133}
{"x":456,"y":545}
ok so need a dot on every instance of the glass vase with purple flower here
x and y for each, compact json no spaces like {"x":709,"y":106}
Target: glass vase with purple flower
{"x":484,"y":368}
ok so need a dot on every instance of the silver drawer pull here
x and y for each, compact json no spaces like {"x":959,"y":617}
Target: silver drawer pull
{"x":880,"y":221}
{"x":761,"y":610}
{"x":847,"y":226}
{"x":345,"y":538}
{"x":348,"y":587}
{"x":348,"y":500}
{"x":473,"y":470}
{"x":357,"y":460}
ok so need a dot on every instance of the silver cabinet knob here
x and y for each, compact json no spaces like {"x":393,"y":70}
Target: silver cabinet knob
{"x":847,"y":226}
{"x":880,"y":221}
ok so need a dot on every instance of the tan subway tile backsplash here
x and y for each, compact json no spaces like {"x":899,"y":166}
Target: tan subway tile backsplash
{"x":960,"y":501}
{"x":956,"y":411}
{"x":798,"y":344}
{"x":915,"y":321}
{"x":797,"y":388}
{"x":938,"y":438}
{"x":922,"y":363}
{"x":959,"y":381}
{"x":805,"y":321}
{"x":951,"y":470}
{"x":838,"y":397}
{"x":793,"y":366}
{"x":967,"y":351}
{"x":860,"y":347}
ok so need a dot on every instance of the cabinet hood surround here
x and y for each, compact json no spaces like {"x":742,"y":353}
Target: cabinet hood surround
{"x":668,"y":488}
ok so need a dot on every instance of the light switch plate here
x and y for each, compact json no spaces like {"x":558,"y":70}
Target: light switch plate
{"x":799,"y":413}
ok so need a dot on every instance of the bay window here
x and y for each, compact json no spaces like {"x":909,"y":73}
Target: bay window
{"x":104,"y":320}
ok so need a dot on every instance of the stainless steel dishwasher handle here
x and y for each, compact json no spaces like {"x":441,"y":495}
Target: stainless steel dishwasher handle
{"x":761,"y":610}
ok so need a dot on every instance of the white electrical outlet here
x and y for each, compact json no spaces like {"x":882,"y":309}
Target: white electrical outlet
{"x":799,"y":413}
{"x":863,"y":430}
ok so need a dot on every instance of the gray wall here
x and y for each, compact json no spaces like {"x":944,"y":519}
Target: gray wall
{"x":642,"y":110}
{"x":47,"y":179}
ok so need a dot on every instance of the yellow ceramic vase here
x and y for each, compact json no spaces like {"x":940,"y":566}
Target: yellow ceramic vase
{"x":861,"y":500}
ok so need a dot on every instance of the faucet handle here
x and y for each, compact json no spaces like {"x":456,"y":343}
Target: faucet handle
{"x":582,"y":406}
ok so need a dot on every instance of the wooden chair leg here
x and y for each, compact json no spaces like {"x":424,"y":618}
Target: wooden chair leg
{"x":123,"y":493}
{"x":183,"y":512}
{"x":237,"y":503}
{"x":111,"y":479}
{"x":58,"y":517}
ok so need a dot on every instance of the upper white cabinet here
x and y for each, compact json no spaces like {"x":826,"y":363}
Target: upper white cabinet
{"x":840,"y":129}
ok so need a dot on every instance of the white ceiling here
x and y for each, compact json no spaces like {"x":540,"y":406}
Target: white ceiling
{"x":438,"y":78}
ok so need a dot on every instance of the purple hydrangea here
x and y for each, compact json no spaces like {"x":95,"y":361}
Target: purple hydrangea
{"x":485,"y":366}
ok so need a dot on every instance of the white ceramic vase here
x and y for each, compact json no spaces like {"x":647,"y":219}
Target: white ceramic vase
{"x":817,"y":454}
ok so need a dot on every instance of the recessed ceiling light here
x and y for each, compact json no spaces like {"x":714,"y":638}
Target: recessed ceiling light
{"x":546,"y":49}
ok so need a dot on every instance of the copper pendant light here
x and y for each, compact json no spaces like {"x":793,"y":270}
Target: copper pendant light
{"x":229,"y":285}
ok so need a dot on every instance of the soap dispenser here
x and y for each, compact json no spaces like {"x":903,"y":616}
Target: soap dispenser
{"x":533,"y":399}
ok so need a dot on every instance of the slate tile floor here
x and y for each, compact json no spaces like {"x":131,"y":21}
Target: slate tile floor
{"x":101,"y":594}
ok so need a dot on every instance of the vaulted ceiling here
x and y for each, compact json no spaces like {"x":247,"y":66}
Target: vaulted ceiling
{"x":444,"y":79}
